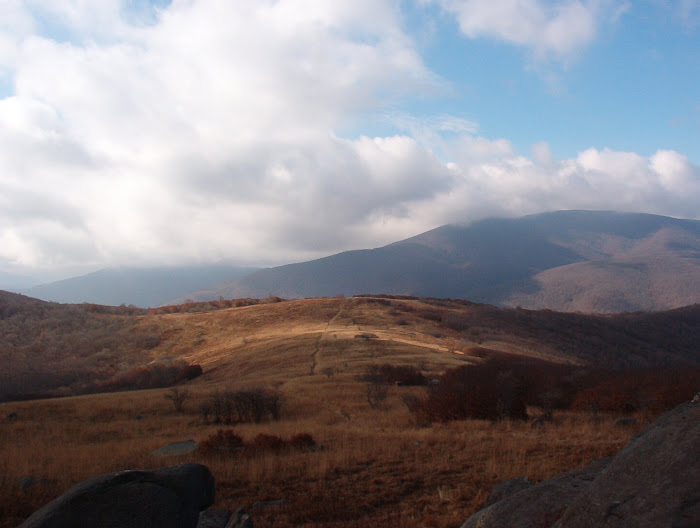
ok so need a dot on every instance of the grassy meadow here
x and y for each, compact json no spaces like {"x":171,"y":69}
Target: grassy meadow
{"x":374,"y":465}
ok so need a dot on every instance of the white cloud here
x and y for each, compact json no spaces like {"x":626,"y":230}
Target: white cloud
{"x":551,"y":29}
{"x":208,"y":130}
{"x":209,"y":127}
{"x":503,"y":183}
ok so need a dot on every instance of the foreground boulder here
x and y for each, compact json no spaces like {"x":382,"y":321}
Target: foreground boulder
{"x":169,"y":498}
{"x":653,"y":482}
{"x":538,"y":505}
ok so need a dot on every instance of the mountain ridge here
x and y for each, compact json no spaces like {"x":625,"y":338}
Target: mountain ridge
{"x":143,"y":287}
{"x":563,"y":260}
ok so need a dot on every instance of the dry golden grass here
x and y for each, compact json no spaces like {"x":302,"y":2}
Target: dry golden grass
{"x":376,"y":467}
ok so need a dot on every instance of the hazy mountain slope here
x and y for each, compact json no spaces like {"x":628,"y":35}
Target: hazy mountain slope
{"x":609,"y":286}
{"x":11,"y":281}
{"x":566,"y":260}
{"x":142,"y":287}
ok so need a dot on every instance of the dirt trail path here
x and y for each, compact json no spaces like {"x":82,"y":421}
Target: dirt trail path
{"x":321,"y":335}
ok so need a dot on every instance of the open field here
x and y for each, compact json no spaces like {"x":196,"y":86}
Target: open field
{"x":377,"y":466}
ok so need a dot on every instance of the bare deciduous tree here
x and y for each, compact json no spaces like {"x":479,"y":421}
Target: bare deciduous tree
{"x":178,"y":397}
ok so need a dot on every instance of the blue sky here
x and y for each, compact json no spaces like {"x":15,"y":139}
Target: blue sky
{"x":261,"y":132}
{"x":635,"y":86}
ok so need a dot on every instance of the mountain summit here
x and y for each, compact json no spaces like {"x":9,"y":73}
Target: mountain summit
{"x":590,"y":261}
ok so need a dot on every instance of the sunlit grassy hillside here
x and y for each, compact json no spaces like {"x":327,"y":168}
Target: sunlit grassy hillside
{"x":377,"y":462}
{"x":48,"y":349}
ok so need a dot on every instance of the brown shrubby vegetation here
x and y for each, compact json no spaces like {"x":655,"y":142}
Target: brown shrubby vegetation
{"x":378,"y":467}
{"x":52,"y":349}
{"x":485,"y":392}
{"x":500,"y":389}
{"x":404,"y":375}
{"x":617,"y":341}
{"x":221,"y":442}
{"x":639,"y":390}
{"x":221,"y":304}
{"x":155,"y":375}
{"x":241,"y":406}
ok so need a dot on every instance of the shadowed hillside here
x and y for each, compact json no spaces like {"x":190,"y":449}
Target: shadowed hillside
{"x":568,"y":261}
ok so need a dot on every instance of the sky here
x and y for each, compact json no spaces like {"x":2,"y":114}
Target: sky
{"x":261,"y":132}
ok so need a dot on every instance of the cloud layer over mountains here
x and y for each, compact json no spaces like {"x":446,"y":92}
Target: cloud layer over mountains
{"x":135,"y":133}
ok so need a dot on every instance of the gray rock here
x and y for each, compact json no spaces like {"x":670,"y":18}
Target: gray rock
{"x":537,"y":505}
{"x":177,"y":448}
{"x":240,"y":519}
{"x":29,"y":482}
{"x":653,"y":481}
{"x":506,"y":489}
{"x":213,"y":518}
{"x":537,"y":422}
{"x":263,"y":505}
{"x":168,"y":497}
{"x":626,"y":421}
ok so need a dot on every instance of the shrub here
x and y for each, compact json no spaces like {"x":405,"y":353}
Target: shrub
{"x":376,"y":393}
{"x":402,"y":375}
{"x":243,"y":406}
{"x":222,"y":440}
{"x":430,"y":315}
{"x":490,"y":392}
{"x":653,"y":390}
{"x":188,"y":372}
{"x":301,"y":441}
{"x":152,"y":376}
{"x":394,"y":374}
{"x":456,"y":322}
{"x":267,"y":442}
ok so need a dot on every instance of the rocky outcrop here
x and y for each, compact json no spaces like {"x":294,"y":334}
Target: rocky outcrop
{"x":506,"y":489}
{"x":213,"y":518}
{"x":536,"y":505}
{"x":169,"y":497}
{"x":654,"y":481}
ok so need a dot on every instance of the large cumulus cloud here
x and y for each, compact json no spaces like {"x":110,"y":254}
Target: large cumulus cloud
{"x":203,"y":130}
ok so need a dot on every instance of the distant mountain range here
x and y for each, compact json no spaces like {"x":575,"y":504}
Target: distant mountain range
{"x":589,"y":261}
{"x":143,"y":287}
